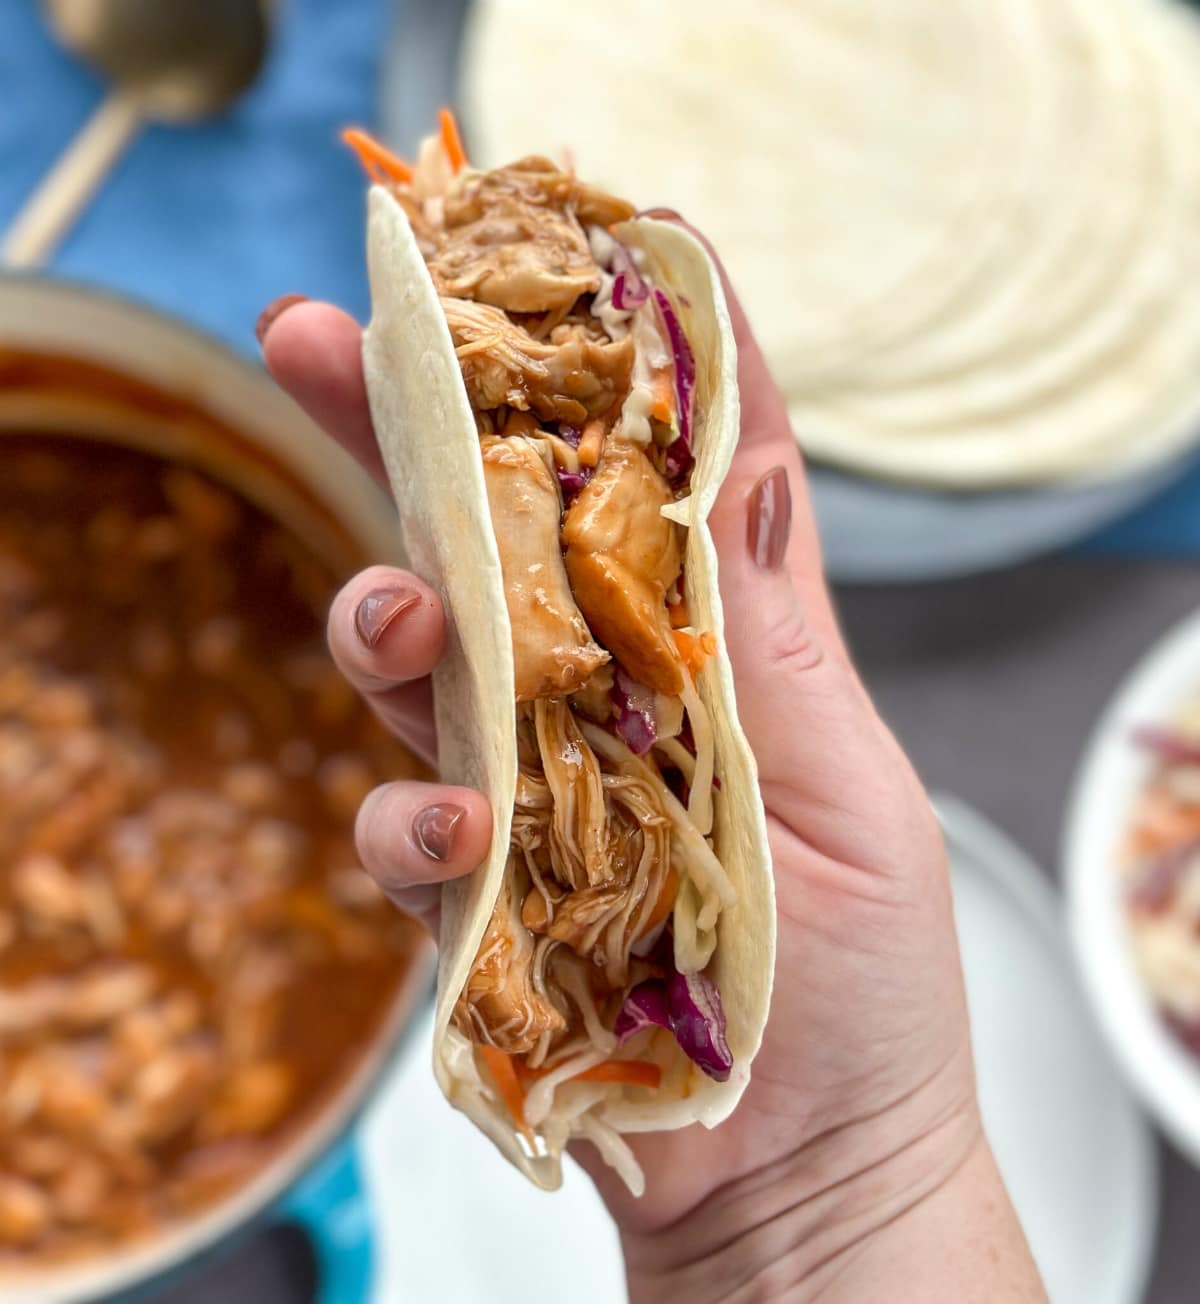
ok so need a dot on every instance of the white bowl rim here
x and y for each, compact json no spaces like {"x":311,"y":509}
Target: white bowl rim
{"x":1108,"y":781}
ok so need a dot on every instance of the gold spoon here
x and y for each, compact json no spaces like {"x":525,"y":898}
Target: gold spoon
{"x":168,"y":61}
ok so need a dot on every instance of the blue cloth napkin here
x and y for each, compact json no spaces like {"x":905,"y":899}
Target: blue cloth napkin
{"x":211,"y":221}
{"x":1166,"y":527}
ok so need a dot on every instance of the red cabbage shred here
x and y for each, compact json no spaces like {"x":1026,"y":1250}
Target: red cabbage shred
{"x":572,"y":482}
{"x":690,"y":1006}
{"x":636,"y":723}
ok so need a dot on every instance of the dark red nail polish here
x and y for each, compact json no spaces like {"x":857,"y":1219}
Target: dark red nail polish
{"x":273,"y":311}
{"x":434,"y":829}
{"x":769,"y":523}
{"x":377,"y":611}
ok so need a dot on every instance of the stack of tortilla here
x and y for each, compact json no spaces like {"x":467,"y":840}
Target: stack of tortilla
{"x":967,"y":233}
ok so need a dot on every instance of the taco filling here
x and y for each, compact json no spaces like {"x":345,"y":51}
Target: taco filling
{"x":581,"y":381}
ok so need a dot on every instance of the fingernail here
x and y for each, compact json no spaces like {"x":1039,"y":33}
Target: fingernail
{"x":273,"y":311}
{"x":769,"y":523}
{"x":663,"y":214}
{"x":434,"y":828}
{"x":377,"y":611}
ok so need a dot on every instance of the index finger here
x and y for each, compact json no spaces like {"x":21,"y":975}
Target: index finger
{"x":314,"y":353}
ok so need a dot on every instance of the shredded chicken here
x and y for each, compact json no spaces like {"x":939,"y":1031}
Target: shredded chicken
{"x":578,"y":841}
{"x":501,"y":1004}
{"x":552,"y":648}
{"x":524,"y":424}
{"x":594,"y":699}
{"x":599,"y":922}
{"x":514,"y":238}
{"x":519,"y":260}
{"x":600,"y":850}
{"x":535,"y":181}
{"x":587,"y":378}
{"x":622,"y":556}
{"x":568,"y":378}
{"x":424,"y":231}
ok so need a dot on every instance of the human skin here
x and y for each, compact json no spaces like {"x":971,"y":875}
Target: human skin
{"x":855,"y":1167}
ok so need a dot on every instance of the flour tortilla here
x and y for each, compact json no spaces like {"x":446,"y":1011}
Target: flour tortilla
{"x":1022,"y":303}
{"x":1111,"y":389}
{"x":965,"y":232}
{"x":430,"y":445}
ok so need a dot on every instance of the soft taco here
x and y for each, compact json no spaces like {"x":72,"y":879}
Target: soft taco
{"x":552,"y":381}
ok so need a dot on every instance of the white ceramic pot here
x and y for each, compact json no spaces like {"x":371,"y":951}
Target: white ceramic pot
{"x":257,"y":439}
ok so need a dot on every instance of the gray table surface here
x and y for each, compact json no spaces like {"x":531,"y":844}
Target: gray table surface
{"x":992,"y":684}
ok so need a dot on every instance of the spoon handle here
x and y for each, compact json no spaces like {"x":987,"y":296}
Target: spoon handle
{"x":65,"y":190}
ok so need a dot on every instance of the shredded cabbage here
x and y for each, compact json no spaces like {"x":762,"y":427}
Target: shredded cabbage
{"x":677,"y":755}
{"x":700,"y":790}
{"x":695,"y":857}
{"x":694,"y":943}
{"x":679,"y":455}
{"x":615,"y":1151}
{"x":539,"y":1100}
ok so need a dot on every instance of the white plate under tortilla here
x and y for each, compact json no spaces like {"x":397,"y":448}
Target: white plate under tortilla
{"x":455,"y":1222}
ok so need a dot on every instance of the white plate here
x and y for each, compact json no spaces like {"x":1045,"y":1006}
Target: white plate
{"x":1077,"y":1155}
{"x":455,"y":1222}
{"x":1111,"y":775}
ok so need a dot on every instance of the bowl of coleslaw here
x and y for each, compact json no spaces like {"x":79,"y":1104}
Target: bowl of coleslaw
{"x":1132,"y":877}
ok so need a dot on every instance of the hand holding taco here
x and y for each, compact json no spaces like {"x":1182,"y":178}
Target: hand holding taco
{"x":855,"y":1164}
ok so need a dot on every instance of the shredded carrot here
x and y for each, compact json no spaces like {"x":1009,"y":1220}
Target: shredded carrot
{"x":591,"y":442}
{"x":378,"y":162}
{"x":452,"y":141}
{"x":678,"y":613}
{"x":503,"y":1069}
{"x":665,"y":903}
{"x":635,"y":1073}
{"x":687,"y":647}
{"x":694,"y":649}
{"x":663,"y":408}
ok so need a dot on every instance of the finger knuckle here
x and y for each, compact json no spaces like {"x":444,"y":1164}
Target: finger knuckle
{"x":788,"y":647}
{"x":372,"y":832}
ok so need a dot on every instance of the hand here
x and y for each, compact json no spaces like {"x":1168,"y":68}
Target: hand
{"x":858,"y":1142}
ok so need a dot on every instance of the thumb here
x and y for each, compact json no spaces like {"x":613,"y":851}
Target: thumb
{"x":828,"y":768}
